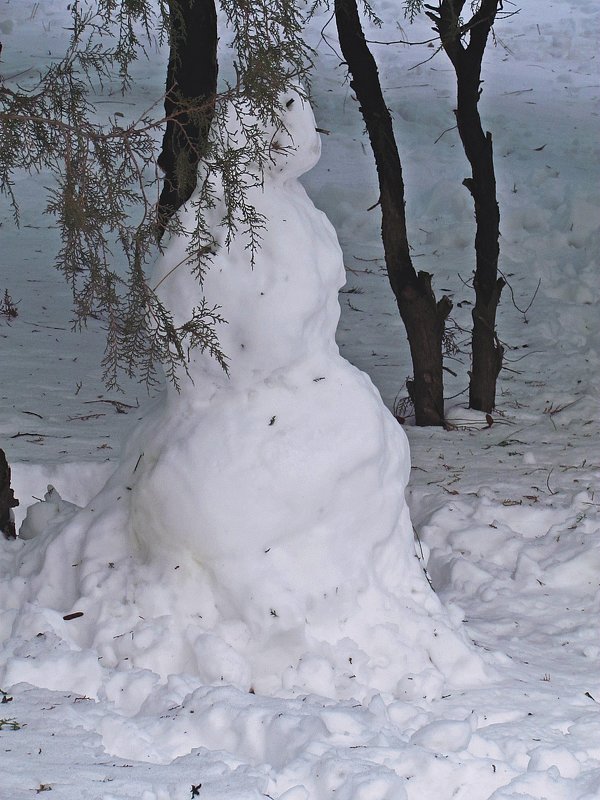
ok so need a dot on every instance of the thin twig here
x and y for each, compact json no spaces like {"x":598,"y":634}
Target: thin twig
{"x":119,"y":405}
{"x":38,"y":434}
{"x":548,"y":483}
{"x":431,"y":57}
{"x":512,"y":294}
{"x":453,"y":128}
{"x":403,"y":41}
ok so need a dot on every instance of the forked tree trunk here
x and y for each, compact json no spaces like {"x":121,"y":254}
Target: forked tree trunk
{"x":487,"y":352}
{"x":189,"y":100}
{"x":423,"y":317}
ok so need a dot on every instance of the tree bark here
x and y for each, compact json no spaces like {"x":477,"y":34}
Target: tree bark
{"x":189,"y":100}
{"x":487,"y":351}
{"x":423,"y":317}
{"x":7,"y":499}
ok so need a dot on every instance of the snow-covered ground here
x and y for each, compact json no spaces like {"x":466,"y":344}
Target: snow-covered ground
{"x":383,"y":693}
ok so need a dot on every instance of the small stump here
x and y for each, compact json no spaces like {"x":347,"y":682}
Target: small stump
{"x":7,"y":500}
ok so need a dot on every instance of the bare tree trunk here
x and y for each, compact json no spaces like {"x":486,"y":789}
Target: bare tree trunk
{"x":487,"y":351}
{"x":423,"y":317}
{"x":189,"y":100}
{"x":7,"y":499}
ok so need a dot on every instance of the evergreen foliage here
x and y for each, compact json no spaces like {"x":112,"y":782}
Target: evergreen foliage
{"x":105,"y":181}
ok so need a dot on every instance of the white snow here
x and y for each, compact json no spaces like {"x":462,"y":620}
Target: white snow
{"x":246,"y":609}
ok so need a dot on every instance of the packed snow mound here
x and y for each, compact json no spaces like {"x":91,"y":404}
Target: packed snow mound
{"x":256,"y":531}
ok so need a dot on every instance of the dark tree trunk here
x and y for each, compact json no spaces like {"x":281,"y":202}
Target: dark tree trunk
{"x":423,"y":317}
{"x":487,"y":351}
{"x":7,"y":499}
{"x":189,"y":100}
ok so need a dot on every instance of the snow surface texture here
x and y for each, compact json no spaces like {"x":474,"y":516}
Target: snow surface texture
{"x":507,"y":516}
